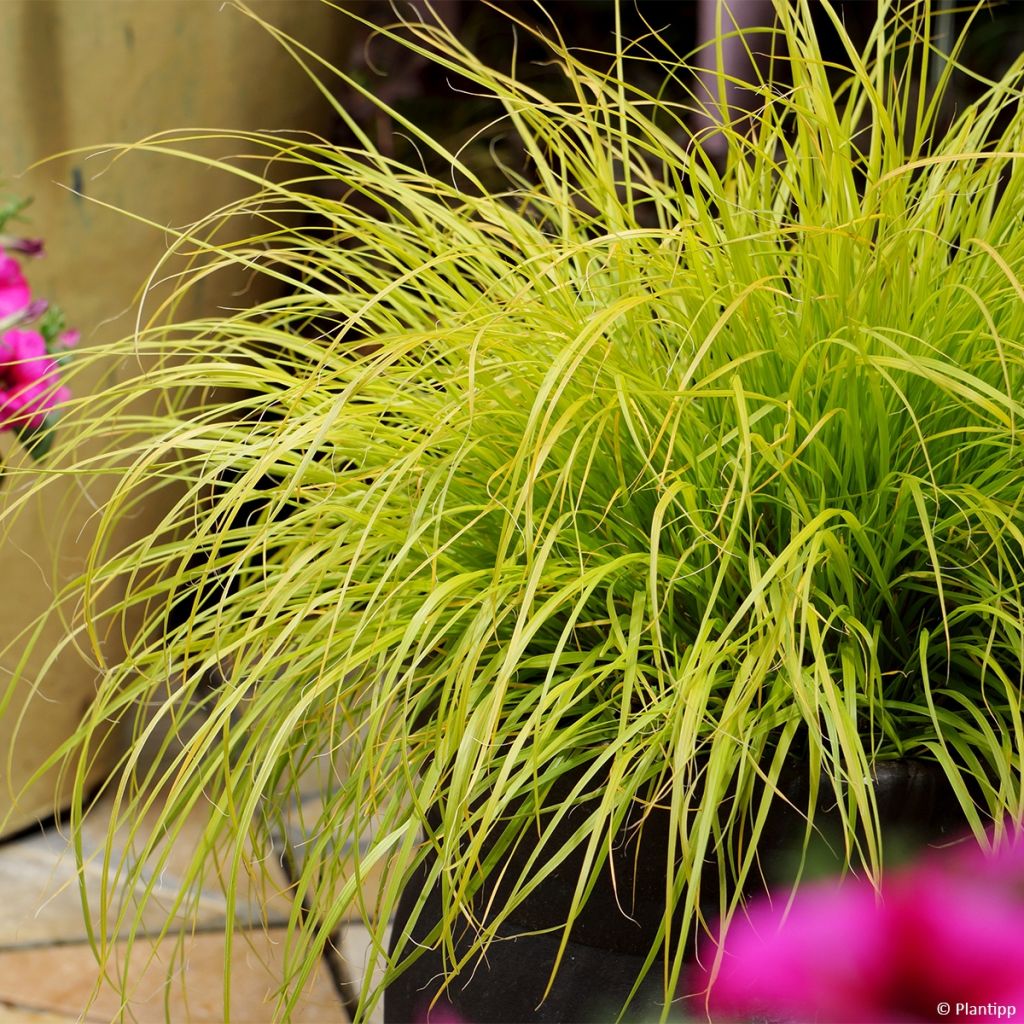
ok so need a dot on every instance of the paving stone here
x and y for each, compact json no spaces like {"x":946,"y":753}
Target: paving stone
{"x":356,"y":952}
{"x":166,"y":982}
{"x":40,"y":887}
{"x":48,"y":973}
{"x":303,"y":827}
{"x":23,"y":1015}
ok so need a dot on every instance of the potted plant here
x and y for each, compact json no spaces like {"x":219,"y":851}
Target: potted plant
{"x":633,"y":507}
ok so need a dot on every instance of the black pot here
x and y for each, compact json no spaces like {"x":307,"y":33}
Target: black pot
{"x":607,"y":949}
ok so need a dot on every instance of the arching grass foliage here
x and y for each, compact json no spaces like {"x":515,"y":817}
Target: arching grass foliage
{"x":657,"y":472}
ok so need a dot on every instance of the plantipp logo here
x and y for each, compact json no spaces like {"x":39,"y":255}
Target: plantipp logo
{"x":987,"y":1011}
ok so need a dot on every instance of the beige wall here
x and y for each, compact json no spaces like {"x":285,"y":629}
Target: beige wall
{"x":82,"y":73}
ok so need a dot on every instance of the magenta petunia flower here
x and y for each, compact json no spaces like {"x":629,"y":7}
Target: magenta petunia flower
{"x":14,"y":292}
{"x":943,"y":939}
{"x":29,"y":380}
{"x":826,"y":959}
{"x":958,"y":921}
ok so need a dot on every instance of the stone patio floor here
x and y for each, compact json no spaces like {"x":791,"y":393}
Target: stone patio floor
{"x":49,"y":974}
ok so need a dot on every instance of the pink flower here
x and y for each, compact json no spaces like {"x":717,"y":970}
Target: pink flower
{"x":29,"y":380}
{"x":958,"y":917}
{"x":827,"y":959}
{"x":1002,"y":866}
{"x":949,"y":929}
{"x":955,"y":941}
{"x":14,"y":293}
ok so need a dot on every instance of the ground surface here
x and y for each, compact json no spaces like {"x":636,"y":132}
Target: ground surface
{"x":48,"y":972}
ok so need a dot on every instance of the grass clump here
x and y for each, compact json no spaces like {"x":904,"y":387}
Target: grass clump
{"x":660,"y":472}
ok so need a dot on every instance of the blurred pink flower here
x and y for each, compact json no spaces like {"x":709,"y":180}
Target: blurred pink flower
{"x":14,"y":293}
{"x":825,"y":957}
{"x":946,"y":930}
{"x":1002,"y":866}
{"x":29,"y":380}
{"x":957,"y":939}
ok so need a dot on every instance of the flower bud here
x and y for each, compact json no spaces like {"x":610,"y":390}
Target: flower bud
{"x":26,"y":246}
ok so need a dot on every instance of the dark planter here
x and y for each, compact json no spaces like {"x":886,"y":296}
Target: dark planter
{"x":607,"y":949}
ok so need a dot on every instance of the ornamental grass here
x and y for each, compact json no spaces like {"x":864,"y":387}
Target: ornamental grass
{"x":642,"y":467}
